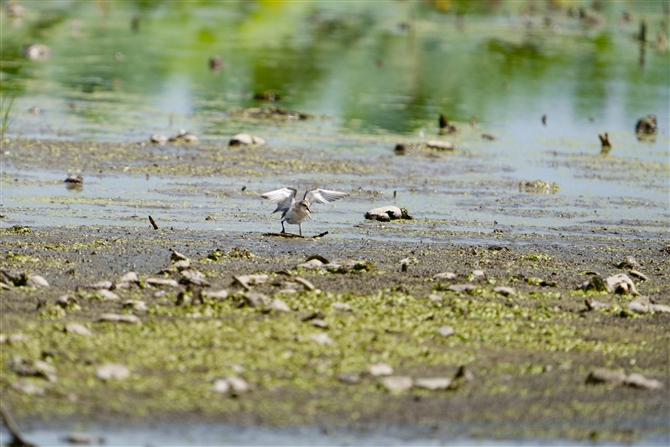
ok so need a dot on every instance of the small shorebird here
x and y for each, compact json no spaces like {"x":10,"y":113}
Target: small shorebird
{"x":295,"y":212}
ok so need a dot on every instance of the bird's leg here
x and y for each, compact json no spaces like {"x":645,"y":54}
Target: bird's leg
{"x":300,"y":226}
{"x":282,"y":227}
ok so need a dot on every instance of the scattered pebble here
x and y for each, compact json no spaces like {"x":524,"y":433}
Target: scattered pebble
{"x":435,"y":297}
{"x":464,"y":373}
{"x":306,"y":284}
{"x":440,"y":145}
{"x":351,"y":378}
{"x":380,"y":369}
{"x":176,"y":256}
{"x":505,"y":291}
{"x":321,"y":338}
{"x":107,"y":295}
{"x":477,"y":273}
{"x":638,"y":275}
{"x":27,"y":387}
{"x":112,"y":371}
{"x":83,"y":439}
{"x":461,"y":288}
{"x":158,"y":139}
{"x":221,"y":386}
{"x":312,"y":264}
{"x":629,"y":263}
{"x":596,"y":282}
{"x":621,"y":284}
{"x":433,"y":383}
{"x":319,"y":323}
{"x":247,"y":281}
{"x":256,"y":299}
{"x":244,"y":139}
{"x":397,"y":384}
{"x":604,"y":375}
{"x":136,"y":305}
{"x":278,"y":305}
{"x":76,"y":328}
{"x":636,"y":380}
{"x":182,"y":264}
{"x":342,"y":306}
{"x":445,"y":275}
{"x":215,"y":294}
{"x":74,"y":178}
{"x":195,"y":277}
{"x":161,"y":282}
{"x":238,"y":384}
{"x":130,"y":277}
{"x":102,"y":285}
{"x":184,"y":136}
{"x":118,"y":318}
{"x":37,"y":281}
{"x":388,"y":213}
{"x":66,"y":300}
{"x":14,"y":338}
{"x":592,"y":304}
{"x":446,"y":331}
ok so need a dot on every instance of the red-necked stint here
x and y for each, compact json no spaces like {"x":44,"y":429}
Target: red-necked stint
{"x":295,"y":212}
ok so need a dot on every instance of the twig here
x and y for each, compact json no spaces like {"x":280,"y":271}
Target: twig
{"x":153,"y":222}
{"x":17,"y":438}
{"x":320,"y":234}
{"x":288,"y":235}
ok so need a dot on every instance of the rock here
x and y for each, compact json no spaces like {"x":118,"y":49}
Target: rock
{"x":238,"y":385}
{"x":26,"y":387}
{"x":380,"y":369}
{"x":397,"y":384}
{"x":176,"y":256}
{"x":37,"y":281}
{"x":464,"y":373}
{"x":319,"y":323}
{"x":107,"y":295}
{"x":445,"y":275}
{"x":158,"y":139}
{"x":118,"y":318}
{"x":638,"y":275}
{"x":351,"y":378}
{"x":306,"y":284}
{"x":16,"y":338}
{"x":110,"y":371}
{"x":592,"y":304}
{"x":596,"y":283}
{"x":66,"y":300}
{"x":36,"y":368}
{"x":387,"y":213}
{"x":621,"y":284}
{"x":76,"y":328}
{"x":195,"y":277}
{"x":646,"y":126}
{"x":78,"y":438}
{"x":629,"y":263}
{"x":278,"y":305}
{"x":221,"y":386}
{"x":311,"y":264}
{"x":342,"y":306}
{"x":161,"y":282}
{"x":136,"y":305}
{"x":74,"y":178}
{"x":184,"y":136}
{"x":538,"y":186}
{"x":322,"y":339}
{"x":446,"y":331}
{"x":641,"y":305}
{"x":37,"y":52}
{"x":661,"y":308}
{"x":477,"y":273}
{"x":102,"y":285}
{"x":256,"y":299}
{"x":433,"y":383}
{"x":461,"y":288}
{"x":13,"y":277}
{"x":4,"y":286}
{"x":244,"y":139}
{"x":636,"y":380}
{"x":182,"y":264}
{"x":129,"y":277}
{"x":505,"y":291}
{"x":440,"y":145}
{"x":215,"y":294}
{"x":247,"y":281}
{"x":607,"y":376}
{"x":435,"y":297}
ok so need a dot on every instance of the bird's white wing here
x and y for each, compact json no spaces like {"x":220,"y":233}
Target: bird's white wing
{"x":323,"y":196}
{"x":285,"y":198}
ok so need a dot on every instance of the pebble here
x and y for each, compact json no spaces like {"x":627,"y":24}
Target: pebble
{"x":130,"y":277}
{"x":433,"y":383}
{"x":478,"y":273}
{"x":112,"y":371}
{"x":312,"y":264}
{"x":592,"y":304}
{"x":351,"y":378}
{"x":76,"y":328}
{"x":604,"y":375}
{"x":464,"y":373}
{"x":440,"y":145}
{"x":215,"y":294}
{"x":435,"y":297}
{"x":182,"y":264}
{"x":641,"y":305}
{"x":278,"y":305}
{"x":638,"y":275}
{"x":256,"y":299}
{"x":83,"y":439}
{"x":37,"y":52}
{"x":136,"y":305}
{"x":161,"y":282}
{"x":221,"y":386}
{"x":388,"y":213}
{"x":251,"y":280}
{"x":158,"y":139}
{"x":306,"y":284}
{"x":461,"y":288}
{"x":187,"y":137}
{"x":342,"y":306}
{"x":27,"y":387}
{"x":380,"y":369}
{"x":629,"y":263}
{"x":319,"y":323}
{"x":621,"y":284}
{"x":505,"y":291}
{"x":37,"y":281}
{"x":636,"y":380}
{"x":397,"y":384}
{"x":596,"y":283}
{"x":74,"y":178}
{"x":238,"y":384}
{"x":65,"y":300}
{"x":176,"y":256}
{"x":118,"y":318}
{"x":195,"y":277}
{"x":322,"y":338}
{"x":446,"y":331}
{"x":445,"y":275}
{"x":244,"y":139}
{"x":16,"y":338}
{"x":107,"y":295}
{"x":102,"y":285}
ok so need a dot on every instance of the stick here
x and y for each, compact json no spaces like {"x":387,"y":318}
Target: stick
{"x":151,"y":219}
{"x":17,"y":438}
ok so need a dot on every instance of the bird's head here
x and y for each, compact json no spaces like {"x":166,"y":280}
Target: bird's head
{"x":304,"y":205}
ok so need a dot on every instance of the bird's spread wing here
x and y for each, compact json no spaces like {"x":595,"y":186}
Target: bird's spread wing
{"x":285,"y":198}
{"x":323,"y":196}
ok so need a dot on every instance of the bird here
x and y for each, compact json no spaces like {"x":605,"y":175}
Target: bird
{"x":295,"y":212}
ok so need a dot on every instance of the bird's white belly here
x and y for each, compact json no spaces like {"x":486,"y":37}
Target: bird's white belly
{"x":295,"y":217}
